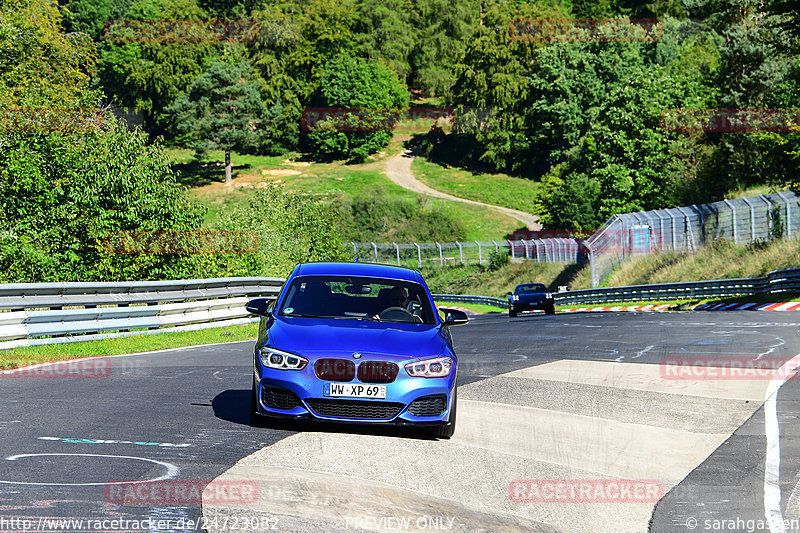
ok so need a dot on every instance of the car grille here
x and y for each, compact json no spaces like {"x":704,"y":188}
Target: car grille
{"x":354,"y":408}
{"x":428,"y":405}
{"x":279,"y":398}
{"x":377,"y":372}
{"x":335,"y":369}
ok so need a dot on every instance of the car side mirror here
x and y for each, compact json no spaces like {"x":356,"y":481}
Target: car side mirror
{"x":259,"y":306}
{"x":454,"y":317}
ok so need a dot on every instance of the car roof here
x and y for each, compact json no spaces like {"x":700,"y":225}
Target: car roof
{"x":358,"y":269}
{"x":531,"y":285}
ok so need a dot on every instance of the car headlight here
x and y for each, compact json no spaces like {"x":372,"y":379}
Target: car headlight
{"x":272,"y":358}
{"x":430,"y":368}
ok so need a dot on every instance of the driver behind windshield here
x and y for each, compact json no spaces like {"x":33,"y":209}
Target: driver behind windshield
{"x":398,"y":297}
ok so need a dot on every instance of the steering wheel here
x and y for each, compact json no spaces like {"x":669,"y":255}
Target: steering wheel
{"x":397,"y":314}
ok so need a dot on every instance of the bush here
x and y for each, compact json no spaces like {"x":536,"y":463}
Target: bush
{"x":63,"y":193}
{"x":291,"y":229}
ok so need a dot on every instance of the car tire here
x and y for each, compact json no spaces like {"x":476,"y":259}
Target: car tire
{"x":256,"y":419}
{"x":512,"y":313}
{"x":550,"y":310}
{"x":445,"y":431}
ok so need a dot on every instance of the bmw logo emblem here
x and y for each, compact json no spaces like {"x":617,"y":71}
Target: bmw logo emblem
{"x":356,"y":355}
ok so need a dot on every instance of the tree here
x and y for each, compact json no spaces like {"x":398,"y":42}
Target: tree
{"x":222,"y":110}
{"x":372,"y":91}
{"x":149,"y":74}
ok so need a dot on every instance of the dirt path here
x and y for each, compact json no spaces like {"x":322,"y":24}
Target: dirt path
{"x":398,"y":168}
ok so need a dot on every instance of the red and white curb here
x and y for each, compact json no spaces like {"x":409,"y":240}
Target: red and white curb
{"x":780,"y":306}
{"x":645,"y":308}
{"x":467,"y":311}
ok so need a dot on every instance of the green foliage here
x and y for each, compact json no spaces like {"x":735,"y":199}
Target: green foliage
{"x":291,"y":228}
{"x":62,"y":194}
{"x":374,"y":216}
{"x":39,"y":64}
{"x":221,"y":109}
{"x":150,"y":75}
{"x":497,"y":260}
{"x":363,"y":86}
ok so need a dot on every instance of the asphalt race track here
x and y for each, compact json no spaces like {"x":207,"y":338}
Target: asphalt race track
{"x":544,"y":401}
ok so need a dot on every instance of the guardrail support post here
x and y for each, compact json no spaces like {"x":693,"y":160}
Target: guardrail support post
{"x":419,"y":255}
{"x":441,"y":258}
{"x":496,"y":247}
{"x":355,"y":251}
{"x":527,"y":253}
{"x":511,"y":245}
{"x":397,"y":249}
{"x":460,"y":252}
{"x":480,"y":255}
{"x":375,"y":248}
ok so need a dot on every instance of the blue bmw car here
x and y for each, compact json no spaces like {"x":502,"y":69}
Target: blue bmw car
{"x":355,"y":342}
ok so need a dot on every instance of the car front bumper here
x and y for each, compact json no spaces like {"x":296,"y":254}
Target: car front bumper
{"x":309,"y":402}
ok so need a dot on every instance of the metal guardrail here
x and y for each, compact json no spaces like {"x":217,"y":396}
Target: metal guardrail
{"x":776,"y":282}
{"x":49,"y":313}
{"x":469,"y":299}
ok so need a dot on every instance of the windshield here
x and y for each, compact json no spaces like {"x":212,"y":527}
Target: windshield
{"x":533,"y":287}
{"x":349,"y":297}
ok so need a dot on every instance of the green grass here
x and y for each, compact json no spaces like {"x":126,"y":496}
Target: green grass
{"x":30,"y":355}
{"x":493,"y":189}
{"x":478,"y":308}
{"x":331,"y":181}
{"x":196,"y":173}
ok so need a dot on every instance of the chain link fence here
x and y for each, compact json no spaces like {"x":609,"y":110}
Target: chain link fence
{"x":561,"y":250}
{"x":743,"y":221}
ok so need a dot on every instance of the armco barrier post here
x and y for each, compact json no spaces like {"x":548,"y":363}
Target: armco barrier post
{"x":397,"y":249}
{"x":460,"y":252}
{"x":441,"y":257}
{"x":480,"y":255}
{"x":375,"y":248}
{"x":511,"y":245}
{"x":419,"y":255}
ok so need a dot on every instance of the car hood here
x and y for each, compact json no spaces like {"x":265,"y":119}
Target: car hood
{"x":332,"y":337}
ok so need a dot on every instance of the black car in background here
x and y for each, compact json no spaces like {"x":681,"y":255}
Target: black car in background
{"x":529,"y":297}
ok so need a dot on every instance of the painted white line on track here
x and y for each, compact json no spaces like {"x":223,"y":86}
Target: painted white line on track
{"x":772,"y":430}
{"x":172,"y":470}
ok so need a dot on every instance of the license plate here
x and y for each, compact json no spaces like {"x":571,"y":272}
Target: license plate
{"x":354,"y":390}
